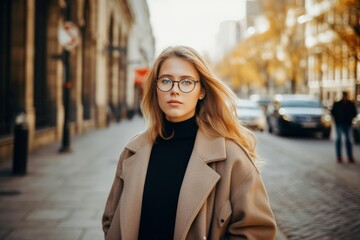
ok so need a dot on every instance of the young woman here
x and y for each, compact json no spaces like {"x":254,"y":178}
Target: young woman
{"x":191,"y":174}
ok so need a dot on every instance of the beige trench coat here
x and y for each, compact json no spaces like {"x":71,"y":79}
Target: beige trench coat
{"x":222,"y":195}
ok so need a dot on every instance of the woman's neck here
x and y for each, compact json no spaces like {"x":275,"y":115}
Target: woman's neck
{"x":183,"y":129}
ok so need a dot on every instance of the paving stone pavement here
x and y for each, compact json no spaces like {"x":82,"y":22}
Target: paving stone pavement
{"x":63,"y":195}
{"x":312,"y":196}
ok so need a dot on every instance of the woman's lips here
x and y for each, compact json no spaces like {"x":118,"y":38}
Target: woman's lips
{"x":174,"y":102}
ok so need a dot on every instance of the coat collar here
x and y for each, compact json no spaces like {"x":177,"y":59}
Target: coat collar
{"x":198,"y":182}
{"x":209,"y":148}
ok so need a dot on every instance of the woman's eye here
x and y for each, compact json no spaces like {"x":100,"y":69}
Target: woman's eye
{"x":166,"y":81}
{"x":186,"y":82}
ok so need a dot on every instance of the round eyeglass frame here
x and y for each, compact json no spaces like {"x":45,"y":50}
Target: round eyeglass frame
{"x":178,"y":82}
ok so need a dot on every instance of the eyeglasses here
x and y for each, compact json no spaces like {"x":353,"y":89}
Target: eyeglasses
{"x":186,"y":85}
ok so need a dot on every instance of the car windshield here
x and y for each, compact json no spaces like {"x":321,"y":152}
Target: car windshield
{"x":247,"y":105}
{"x":303,"y":104}
{"x":264,"y":102}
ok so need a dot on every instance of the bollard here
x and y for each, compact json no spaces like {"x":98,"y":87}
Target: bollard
{"x":20,"y":152}
{"x":130,"y":113}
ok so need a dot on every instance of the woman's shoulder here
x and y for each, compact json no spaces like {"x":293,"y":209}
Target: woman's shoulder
{"x":137,"y":136}
{"x":139,"y":140}
{"x":208,"y":143}
{"x":239,"y":155}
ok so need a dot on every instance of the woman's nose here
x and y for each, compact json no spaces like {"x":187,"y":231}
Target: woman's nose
{"x":175,"y":87}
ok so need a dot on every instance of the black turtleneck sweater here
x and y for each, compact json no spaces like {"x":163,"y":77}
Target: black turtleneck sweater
{"x":166,"y":170}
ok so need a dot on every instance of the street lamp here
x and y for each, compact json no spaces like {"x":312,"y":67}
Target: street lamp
{"x":68,"y":39}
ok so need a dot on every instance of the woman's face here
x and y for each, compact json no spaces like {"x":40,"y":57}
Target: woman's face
{"x":177,"y":105}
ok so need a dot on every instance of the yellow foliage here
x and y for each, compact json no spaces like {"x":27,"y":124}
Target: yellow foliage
{"x":277,"y":53}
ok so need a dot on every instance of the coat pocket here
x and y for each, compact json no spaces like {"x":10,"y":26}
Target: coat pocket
{"x":224,"y":214}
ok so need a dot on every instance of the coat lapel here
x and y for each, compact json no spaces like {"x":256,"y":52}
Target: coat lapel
{"x":134,"y":175}
{"x":198,"y":182}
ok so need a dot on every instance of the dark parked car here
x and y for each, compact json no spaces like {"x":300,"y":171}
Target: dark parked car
{"x":356,"y":126}
{"x":295,"y":113}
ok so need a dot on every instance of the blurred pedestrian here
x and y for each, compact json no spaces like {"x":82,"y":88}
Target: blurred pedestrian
{"x":343,"y":112}
{"x":191,"y":174}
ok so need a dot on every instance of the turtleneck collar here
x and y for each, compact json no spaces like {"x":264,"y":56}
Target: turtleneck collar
{"x":184,"y":129}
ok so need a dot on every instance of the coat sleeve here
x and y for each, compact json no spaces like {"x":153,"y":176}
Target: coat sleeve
{"x":114,"y":196}
{"x":251,"y":217}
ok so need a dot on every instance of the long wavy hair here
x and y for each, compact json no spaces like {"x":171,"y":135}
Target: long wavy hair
{"x":215,"y":113}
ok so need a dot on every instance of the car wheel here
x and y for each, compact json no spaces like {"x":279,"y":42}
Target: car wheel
{"x":278,"y":131}
{"x":270,"y":130}
{"x":326,"y":134}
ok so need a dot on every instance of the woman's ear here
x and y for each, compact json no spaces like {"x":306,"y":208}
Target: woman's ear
{"x":202,"y":94}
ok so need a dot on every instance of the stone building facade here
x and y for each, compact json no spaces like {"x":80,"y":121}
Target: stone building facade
{"x":333,"y":41}
{"x":32,"y":75}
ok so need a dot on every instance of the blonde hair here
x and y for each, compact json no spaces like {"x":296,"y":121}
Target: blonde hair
{"x":215,"y":113}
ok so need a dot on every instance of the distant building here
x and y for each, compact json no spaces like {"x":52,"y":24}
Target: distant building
{"x":231,"y":32}
{"x":252,"y":12}
{"x":333,"y":48}
{"x":32,"y":75}
{"x":227,"y":38}
{"x":141,"y":52}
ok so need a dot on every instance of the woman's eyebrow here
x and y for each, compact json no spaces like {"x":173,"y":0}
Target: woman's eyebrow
{"x":165,"y":75}
{"x":181,"y":77}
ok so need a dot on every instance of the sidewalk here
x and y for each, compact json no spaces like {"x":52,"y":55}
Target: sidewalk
{"x":63,"y":195}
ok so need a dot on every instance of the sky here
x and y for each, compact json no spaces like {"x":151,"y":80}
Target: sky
{"x":194,"y":23}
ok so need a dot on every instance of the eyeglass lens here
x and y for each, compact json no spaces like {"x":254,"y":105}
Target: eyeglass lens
{"x":185,"y":85}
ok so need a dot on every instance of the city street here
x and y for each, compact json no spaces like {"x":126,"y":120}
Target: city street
{"x":311,"y":195}
{"x":63,"y":195}
{"x":73,"y":73}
